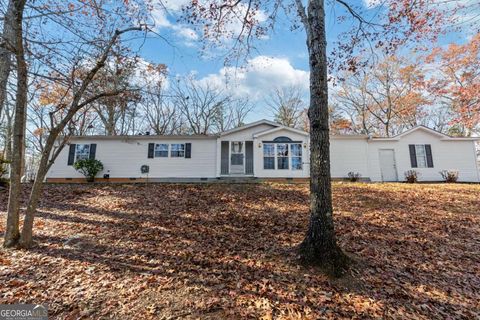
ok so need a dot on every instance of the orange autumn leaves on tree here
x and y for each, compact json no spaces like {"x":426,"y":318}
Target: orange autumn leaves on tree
{"x":456,"y":81}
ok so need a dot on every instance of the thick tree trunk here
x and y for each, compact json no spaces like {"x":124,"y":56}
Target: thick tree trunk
{"x":6,"y":48}
{"x":12,"y":228}
{"x":319,"y":246}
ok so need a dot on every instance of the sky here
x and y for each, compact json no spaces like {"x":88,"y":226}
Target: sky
{"x":279,"y":60}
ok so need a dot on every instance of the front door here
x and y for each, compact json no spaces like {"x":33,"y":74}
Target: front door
{"x":237,"y":157}
{"x":388,"y":167}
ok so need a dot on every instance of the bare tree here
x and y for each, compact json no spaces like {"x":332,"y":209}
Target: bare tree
{"x":117,"y":113}
{"x":287,"y":106}
{"x":233,"y":114}
{"x":201,"y":104}
{"x":7,"y":47}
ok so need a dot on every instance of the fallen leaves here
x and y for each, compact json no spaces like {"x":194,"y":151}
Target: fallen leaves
{"x":228,"y":251}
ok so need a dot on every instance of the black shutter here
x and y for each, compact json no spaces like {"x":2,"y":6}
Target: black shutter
{"x":71,"y":154}
{"x":151,"y":149}
{"x":428,"y":151}
{"x":224,"y":157}
{"x":413,"y":155}
{"x":249,"y":157}
{"x":188,"y":150}
{"x":93,"y":150}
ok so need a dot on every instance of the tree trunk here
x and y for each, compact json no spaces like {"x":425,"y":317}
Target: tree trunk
{"x":12,"y":228}
{"x":6,"y":48}
{"x":319,"y":246}
{"x":37,"y":188}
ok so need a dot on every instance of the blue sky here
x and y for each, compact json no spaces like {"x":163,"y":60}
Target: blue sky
{"x":279,"y":60}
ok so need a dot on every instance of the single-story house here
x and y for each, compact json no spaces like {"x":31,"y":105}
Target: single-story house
{"x":265,"y":149}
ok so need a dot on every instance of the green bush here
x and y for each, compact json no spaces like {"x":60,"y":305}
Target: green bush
{"x":89,"y":168}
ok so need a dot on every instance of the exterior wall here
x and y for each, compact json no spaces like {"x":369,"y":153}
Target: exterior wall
{"x":348,"y":154}
{"x":123,"y":159}
{"x":258,"y":156}
{"x":447,"y":155}
{"x":242,"y":135}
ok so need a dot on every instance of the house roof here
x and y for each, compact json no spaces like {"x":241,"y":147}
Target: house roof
{"x":146,"y":137}
{"x":249,"y":125}
{"x":278,"y":128}
{"x":441,"y":135}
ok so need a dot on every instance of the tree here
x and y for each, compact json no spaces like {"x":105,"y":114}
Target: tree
{"x":403,"y":20}
{"x":69,"y":60}
{"x":7,"y":47}
{"x":287,"y":106}
{"x":14,"y":25}
{"x":455,"y":82}
{"x":115,"y":112}
{"x":386,"y":99}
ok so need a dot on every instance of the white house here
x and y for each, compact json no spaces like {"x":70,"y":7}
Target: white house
{"x":265,"y":149}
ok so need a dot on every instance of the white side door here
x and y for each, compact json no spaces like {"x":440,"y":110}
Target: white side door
{"x":388,"y":168}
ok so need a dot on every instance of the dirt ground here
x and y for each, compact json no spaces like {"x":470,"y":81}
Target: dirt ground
{"x":227,"y":251}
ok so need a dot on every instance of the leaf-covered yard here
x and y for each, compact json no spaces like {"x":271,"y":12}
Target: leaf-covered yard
{"x":227,"y":251}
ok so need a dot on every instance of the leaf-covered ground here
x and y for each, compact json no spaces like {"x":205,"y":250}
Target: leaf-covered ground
{"x":227,"y":252}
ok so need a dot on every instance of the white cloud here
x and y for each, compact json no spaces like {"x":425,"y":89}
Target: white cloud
{"x":168,"y":8}
{"x":259,"y":77}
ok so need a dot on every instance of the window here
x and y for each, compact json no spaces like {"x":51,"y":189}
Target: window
{"x":421,"y":155}
{"x":282,"y":156}
{"x":268,"y":156}
{"x":237,"y":147}
{"x":82,"y":151}
{"x":296,"y":156}
{"x":177,"y":150}
{"x":161,"y":150}
{"x":237,"y":153}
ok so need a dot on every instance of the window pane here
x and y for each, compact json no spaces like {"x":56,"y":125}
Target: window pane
{"x":421,"y":155}
{"x":296,"y":163}
{"x":268,"y":150}
{"x":177,"y":150}
{"x":282,"y":149}
{"x":282,"y":163}
{"x":161,"y":150}
{"x":237,"y":147}
{"x":296,"y":150}
{"x":269,"y":163}
{"x":237,"y":159}
{"x":82,"y":151}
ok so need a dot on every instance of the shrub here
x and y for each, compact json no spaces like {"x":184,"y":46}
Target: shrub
{"x":449,"y":176}
{"x":411,"y":176}
{"x":3,"y":172}
{"x":354,"y":176}
{"x":89,"y":168}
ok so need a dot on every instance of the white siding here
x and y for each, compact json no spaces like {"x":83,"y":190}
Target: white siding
{"x":446,"y":154}
{"x":348,"y":155}
{"x":123,"y":159}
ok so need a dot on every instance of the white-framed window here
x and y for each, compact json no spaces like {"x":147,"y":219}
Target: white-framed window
{"x":421,"y":155}
{"x":161,"y":150}
{"x":177,"y":150}
{"x":268,"y":156}
{"x":282,"y":156}
{"x":296,"y":152}
{"x":82,"y":151}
